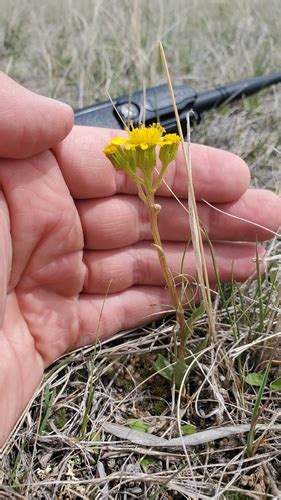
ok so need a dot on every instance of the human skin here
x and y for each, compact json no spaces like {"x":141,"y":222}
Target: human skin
{"x":76,"y":260}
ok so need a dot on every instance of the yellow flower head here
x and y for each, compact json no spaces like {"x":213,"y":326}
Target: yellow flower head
{"x":139,"y":149}
{"x":145,"y":137}
{"x":170,"y":139}
{"x":110,"y":150}
{"x":169,"y":148}
{"x":119,"y":158}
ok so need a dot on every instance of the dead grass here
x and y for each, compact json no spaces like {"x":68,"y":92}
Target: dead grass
{"x":76,"y":51}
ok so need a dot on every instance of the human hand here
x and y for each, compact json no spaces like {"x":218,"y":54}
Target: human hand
{"x":76,"y":261}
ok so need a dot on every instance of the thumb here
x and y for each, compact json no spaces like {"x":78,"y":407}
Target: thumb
{"x":29,"y":123}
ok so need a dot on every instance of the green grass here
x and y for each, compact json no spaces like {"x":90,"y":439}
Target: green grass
{"x":76,"y":52}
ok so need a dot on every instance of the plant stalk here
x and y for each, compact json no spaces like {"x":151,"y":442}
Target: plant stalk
{"x":153,"y":211}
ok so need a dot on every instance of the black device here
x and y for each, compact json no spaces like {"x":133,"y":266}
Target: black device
{"x":156,"y":104}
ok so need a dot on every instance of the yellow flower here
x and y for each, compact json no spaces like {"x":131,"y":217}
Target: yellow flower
{"x":145,"y":137}
{"x":120,"y":159}
{"x":169,"y":148}
{"x":170,"y":139}
{"x":110,"y":150}
{"x":142,"y":137}
{"x":139,"y":149}
{"x":119,"y":141}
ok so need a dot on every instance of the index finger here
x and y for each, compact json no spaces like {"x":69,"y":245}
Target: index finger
{"x":29,"y":123}
{"x":218,"y":176}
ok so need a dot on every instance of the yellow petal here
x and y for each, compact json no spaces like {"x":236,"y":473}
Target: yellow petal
{"x":119,"y":141}
{"x":170,"y":139}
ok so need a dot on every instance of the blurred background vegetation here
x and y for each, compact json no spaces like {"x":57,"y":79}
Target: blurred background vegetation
{"x":79,"y":51}
{"x":76,"y":51}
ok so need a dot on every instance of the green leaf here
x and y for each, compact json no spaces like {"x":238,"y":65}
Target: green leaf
{"x":50,"y":395}
{"x":224,"y":110}
{"x":276,"y":385}
{"x":163,"y":366}
{"x":137,"y":425}
{"x":257,"y":411}
{"x":95,"y":436}
{"x":252,"y":104}
{"x":196,"y":314}
{"x":255,"y":379}
{"x":188,"y":429}
{"x":234,"y":495}
{"x":146,"y":461}
{"x":179,"y":372}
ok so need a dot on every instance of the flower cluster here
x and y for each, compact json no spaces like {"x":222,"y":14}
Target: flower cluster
{"x":136,"y":154}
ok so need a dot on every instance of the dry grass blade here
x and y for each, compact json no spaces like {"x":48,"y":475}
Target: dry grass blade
{"x":203,"y":437}
{"x":195,"y":228}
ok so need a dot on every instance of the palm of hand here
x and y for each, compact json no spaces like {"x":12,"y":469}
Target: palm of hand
{"x":39,"y":320}
{"x":44,"y":266}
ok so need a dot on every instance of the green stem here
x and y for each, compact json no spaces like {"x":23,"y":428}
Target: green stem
{"x":153,"y":211}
